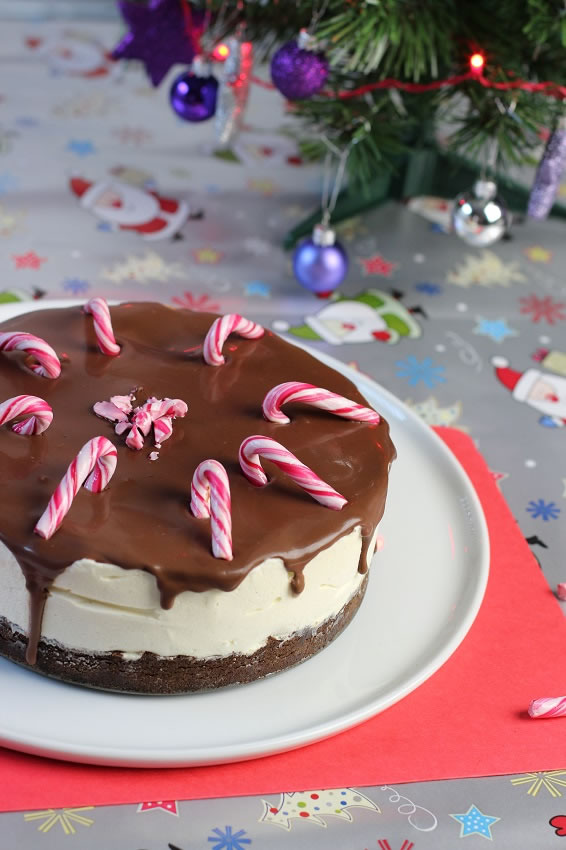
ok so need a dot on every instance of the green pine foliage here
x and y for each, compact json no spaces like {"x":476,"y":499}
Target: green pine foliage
{"x":419,"y":41}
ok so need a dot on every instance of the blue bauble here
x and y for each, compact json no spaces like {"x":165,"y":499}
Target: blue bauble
{"x":320,"y":263}
{"x":193,"y":97}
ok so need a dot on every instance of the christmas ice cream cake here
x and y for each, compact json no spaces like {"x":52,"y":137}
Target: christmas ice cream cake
{"x":188,"y":501}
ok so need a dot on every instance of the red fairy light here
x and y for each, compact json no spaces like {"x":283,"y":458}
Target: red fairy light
{"x":220,"y":52}
{"x":477,"y":62}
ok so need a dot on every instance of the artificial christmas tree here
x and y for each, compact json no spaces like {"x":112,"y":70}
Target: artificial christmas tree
{"x":420,"y":90}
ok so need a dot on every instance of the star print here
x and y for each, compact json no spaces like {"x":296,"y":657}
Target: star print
{"x":495,"y":329}
{"x":158,"y":36}
{"x":169,"y":806}
{"x":475,"y":823}
{"x":82,"y":147}
{"x":262,"y":185}
{"x":207,"y":256}
{"x":28,"y":261}
{"x":377,"y":265}
{"x":538,"y":254}
{"x":104,"y":226}
{"x":257,"y":287}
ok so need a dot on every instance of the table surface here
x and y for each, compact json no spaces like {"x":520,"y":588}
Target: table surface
{"x":64,"y":112}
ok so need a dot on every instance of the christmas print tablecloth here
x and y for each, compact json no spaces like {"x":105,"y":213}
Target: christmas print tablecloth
{"x":104,"y":191}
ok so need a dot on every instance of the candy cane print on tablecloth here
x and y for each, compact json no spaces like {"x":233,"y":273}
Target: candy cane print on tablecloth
{"x":317,"y":397}
{"x":38,"y":414}
{"x":210,"y":497}
{"x":100,"y":312}
{"x":252,"y":448}
{"x":221,"y":329}
{"x":48,"y":364}
{"x":92,"y":468}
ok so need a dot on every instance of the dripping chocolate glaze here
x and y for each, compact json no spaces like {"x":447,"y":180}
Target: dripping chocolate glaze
{"x":142,"y":520}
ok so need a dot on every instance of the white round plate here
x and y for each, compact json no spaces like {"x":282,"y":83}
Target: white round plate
{"x":425,"y":590}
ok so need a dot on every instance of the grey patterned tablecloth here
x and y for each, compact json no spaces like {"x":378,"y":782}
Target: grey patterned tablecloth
{"x":68,"y":119}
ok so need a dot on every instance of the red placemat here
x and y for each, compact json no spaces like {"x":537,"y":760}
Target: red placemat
{"x":469,"y":719}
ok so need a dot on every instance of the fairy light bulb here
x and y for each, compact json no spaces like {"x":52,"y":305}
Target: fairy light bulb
{"x":477,"y":62}
{"x":220,"y":52}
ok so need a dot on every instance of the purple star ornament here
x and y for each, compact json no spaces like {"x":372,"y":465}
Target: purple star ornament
{"x":162,"y":34}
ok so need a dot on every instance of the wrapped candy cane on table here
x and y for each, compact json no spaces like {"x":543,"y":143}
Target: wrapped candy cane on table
{"x":210,"y":497}
{"x":92,"y":468}
{"x":252,"y":448}
{"x":317,"y":397}
{"x":219,"y":332}
{"x":100,"y":312}
{"x":47,"y":363}
{"x":38,"y":414}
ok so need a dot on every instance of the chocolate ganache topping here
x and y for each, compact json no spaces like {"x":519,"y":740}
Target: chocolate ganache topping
{"x":142,"y":520}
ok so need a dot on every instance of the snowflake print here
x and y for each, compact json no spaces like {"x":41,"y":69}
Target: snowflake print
{"x":66,"y":818}
{"x":543,"y":308}
{"x":542,"y":509}
{"x":200,"y":303}
{"x":229,"y":840}
{"x":428,"y":288}
{"x":420,"y":370}
{"x":75,"y":285}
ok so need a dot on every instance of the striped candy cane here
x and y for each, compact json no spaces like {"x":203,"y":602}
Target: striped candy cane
{"x":318,"y":397}
{"x":92,"y":468}
{"x":210,"y":496}
{"x":100,"y":312}
{"x":254,"y":447}
{"x":48,"y":364}
{"x":548,"y":707}
{"x":219,"y":332}
{"x":38,"y":413}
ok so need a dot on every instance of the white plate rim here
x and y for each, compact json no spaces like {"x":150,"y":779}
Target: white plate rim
{"x":178,"y":757}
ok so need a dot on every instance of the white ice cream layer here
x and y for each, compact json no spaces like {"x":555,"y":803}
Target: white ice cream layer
{"x":101,"y":607}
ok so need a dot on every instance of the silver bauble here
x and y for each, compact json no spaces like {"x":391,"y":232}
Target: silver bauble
{"x":480,"y":216}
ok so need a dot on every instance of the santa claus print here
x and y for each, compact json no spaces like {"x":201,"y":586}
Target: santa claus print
{"x":370,"y":316}
{"x":127,"y":207}
{"x":544,"y":392}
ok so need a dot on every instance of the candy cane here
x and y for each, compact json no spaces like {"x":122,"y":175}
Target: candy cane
{"x":98,"y":309}
{"x":162,"y":429}
{"x":140,"y":427}
{"x":48,"y":364}
{"x":219,"y":332}
{"x":92,"y":468}
{"x":548,"y":707}
{"x":38,"y":413}
{"x":210,"y":494}
{"x":318,"y":397}
{"x":253,"y":447}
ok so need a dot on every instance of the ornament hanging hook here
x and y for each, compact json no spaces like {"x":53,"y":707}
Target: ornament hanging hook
{"x":329,"y":198}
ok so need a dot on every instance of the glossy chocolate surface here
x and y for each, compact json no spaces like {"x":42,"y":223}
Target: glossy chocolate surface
{"x":142,"y":520}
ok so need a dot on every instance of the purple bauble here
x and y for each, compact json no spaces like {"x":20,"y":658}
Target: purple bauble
{"x":193,"y":97}
{"x":320,"y":263}
{"x":298,"y":73}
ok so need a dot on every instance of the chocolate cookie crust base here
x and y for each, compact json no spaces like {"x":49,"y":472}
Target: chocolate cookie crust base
{"x":152,"y":674}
